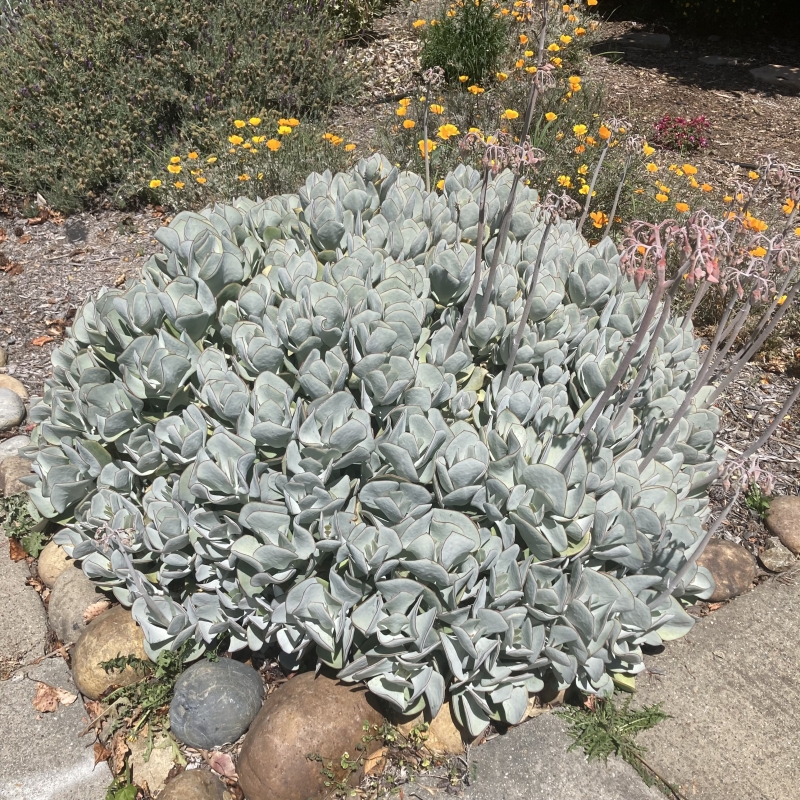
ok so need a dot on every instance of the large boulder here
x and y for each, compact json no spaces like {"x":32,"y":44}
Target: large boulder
{"x":215,"y":702}
{"x":114,"y":633}
{"x":52,"y":562}
{"x":731,"y":566}
{"x":195,"y":784}
{"x":783,"y":521}
{"x":11,"y":470}
{"x":73,"y":593}
{"x":306,"y":716}
{"x":12,"y":409}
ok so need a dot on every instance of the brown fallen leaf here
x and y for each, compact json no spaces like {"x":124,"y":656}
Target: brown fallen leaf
{"x":45,"y":699}
{"x":94,"y":708}
{"x":25,"y":239}
{"x":376,"y":763}
{"x":15,"y":550}
{"x":2,"y":234}
{"x":100,"y":753}
{"x":65,"y":698}
{"x":95,"y":610}
{"x":222,"y":764}
{"x":39,"y":341}
{"x":120,"y":279}
{"x":119,"y":751}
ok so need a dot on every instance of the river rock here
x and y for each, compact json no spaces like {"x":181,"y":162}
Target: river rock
{"x":777,"y":75}
{"x":12,"y":409}
{"x":72,"y":594}
{"x":53,"y":560}
{"x":114,"y":633}
{"x":783,"y":520}
{"x":12,"y":446}
{"x":195,"y":784}
{"x":777,"y":558}
{"x":7,"y":382}
{"x":11,"y":470}
{"x":306,"y":715}
{"x":215,"y":702}
{"x":155,"y":770}
{"x":731,"y":566}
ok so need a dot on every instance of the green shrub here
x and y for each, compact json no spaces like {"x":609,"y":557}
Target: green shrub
{"x":467,"y":39}
{"x":91,"y":89}
{"x":277,"y":436}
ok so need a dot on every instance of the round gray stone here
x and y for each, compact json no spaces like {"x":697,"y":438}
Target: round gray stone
{"x":776,"y":557}
{"x":12,"y":409}
{"x":71,"y":595}
{"x":215,"y":702}
{"x":12,"y":446}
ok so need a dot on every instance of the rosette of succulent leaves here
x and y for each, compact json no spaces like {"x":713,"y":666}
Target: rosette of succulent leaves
{"x":270,"y":438}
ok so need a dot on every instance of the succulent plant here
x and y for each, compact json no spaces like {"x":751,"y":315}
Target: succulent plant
{"x":273,"y":437}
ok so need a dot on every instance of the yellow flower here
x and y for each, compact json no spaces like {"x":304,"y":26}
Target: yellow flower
{"x":599,"y":219}
{"x":531,"y":69}
{"x":333,"y":139}
{"x":585,"y":190}
{"x":201,"y":180}
{"x":651,"y":167}
{"x":509,"y":113}
{"x":662,"y":198}
{"x":192,"y":155}
{"x":284,"y":129}
{"x":591,"y":140}
{"x":579,"y":130}
{"x":273,"y":145}
{"x":408,"y":124}
{"x":247,"y":146}
{"x":179,"y":184}
{"x":463,"y":78}
{"x":400,"y":111}
{"x":689,"y":169}
{"x":195,"y":171}
{"x":575,"y":83}
{"x":421,"y":144}
{"x":694,"y":183}
{"x":211,"y":160}
{"x":565,"y":39}
{"x":174,"y":168}
{"x":519,"y":63}
{"x":591,"y":2}
{"x":239,"y":123}
{"x":759,"y":252}
{"x":419,"y":23}
{"x":291,"y":122}
{"x":244,"y":177}
{"x":528,"y":53}
{"x":350,"y":147}
{"x":559,"y":136}
{"x":437,"y":109}
{"x":258,"y":139}
{"x":440,"y":184}
{"x":706,"y":187}
{"x":604,"y":133}
{"x":501,"y":76}
{"x":580,"y":149}
{"x":583,"y":169}
{"x":580,"y":31}
{"x":754,"y":224}
{"x":405,"y":102}
{"x":474,"y":89}
{"x":753,"y":175}
{"x":782,"y":299}
{"x":235,"y":139}
{"x":565,"y":9}
{"x":788,"y":206}
{"x":446,"y":131}
{"x":175,"y":160}
{"x":553,"y":48}
{"x":727,"y":199}
{"x":155,"y":183}
{"x":797,"y":231}
{"x":556,"y":61}
{"x":523,"y":39}
{"x":647,"y":149}
{"x":550,"y":116}
{"x":254,"y":121}
{"x":682,"y":207}
{"x":565,"y":181}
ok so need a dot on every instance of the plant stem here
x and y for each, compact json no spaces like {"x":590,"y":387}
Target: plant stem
{"x":773,"y":426}
{"x":591,"y":188}
{"x":617,"y":196}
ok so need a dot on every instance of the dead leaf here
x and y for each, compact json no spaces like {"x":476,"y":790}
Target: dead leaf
{"x":222,"y":764}
{"x":100,"y":753}
{"x":39,"y":341}
{"x":95,"y":610}
{"x":119,"y":751}
{"x":376,"y":763}
{"x":94,"y":708}
{"x":45,"y":699}
{"x":15,"y":550}
{"x":2,"y":234}
{"x":65,"y":698}
{"x":120,"y":279}
{"x":25,"y":239}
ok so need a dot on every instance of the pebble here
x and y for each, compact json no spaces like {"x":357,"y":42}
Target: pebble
{"x":775,"y":74}
{"x":114,"y":633}
{"x":53,"y":560}
{"x":783,"y":520}
{"x":195,"y":784}
{"x":12,"y":469}
{"x":306,"y":715}
{"x":72,"y":594}
{"x":775,"y":557}
{"x":731,"y":566}
{"x":7,"y":382}
{"x":12,"y":409}
{"x":718,"y":61}
{"x":215,"y":702}
{"x":12,"y":446}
